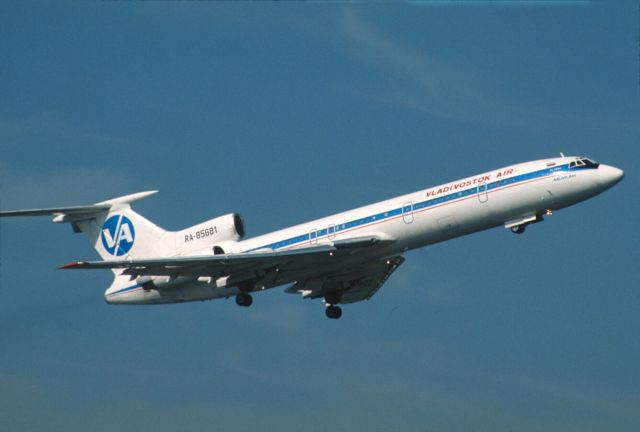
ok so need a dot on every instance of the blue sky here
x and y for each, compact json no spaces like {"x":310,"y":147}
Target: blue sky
{"x":287,"y":112}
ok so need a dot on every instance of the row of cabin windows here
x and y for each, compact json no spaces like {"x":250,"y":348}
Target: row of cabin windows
{"x":332,"y":229}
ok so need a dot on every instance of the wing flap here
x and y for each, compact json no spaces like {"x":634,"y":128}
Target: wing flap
{"x":366,"y":287}
{"x":212,"y":265}
{"x":352,"y":284}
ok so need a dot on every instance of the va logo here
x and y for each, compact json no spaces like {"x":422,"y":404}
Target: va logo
{"x":118,"y":235}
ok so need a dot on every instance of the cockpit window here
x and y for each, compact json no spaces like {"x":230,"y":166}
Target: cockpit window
{"x":584,"y":163}
{"x":590,"y":163}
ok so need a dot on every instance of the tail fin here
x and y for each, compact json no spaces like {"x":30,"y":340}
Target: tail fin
{"x":113,"y":228}
{"x":120,"y":232}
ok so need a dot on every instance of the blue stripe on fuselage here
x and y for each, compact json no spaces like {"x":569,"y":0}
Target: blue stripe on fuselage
{"x":418,"y":206}
{"x":123,"y":290}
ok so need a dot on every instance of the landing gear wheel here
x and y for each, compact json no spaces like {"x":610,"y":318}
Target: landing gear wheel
{"x":244,"y":299}
{"x":333,"y":312}
{"x":518,"y":229}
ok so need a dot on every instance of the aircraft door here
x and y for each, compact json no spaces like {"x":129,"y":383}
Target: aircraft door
{"x":483,"y":196}
{"x":331,"y":231}
{"x":407,"y":212}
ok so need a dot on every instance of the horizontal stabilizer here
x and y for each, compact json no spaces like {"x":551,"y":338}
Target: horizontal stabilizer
{"x":127,"y":199}
{"x":77,"y":210}
{"x":78,"y":213}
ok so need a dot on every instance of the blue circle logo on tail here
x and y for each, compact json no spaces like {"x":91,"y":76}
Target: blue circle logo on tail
{"x":118,"y":235}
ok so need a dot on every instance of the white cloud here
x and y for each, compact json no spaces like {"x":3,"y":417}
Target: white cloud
{"x":414,"y":79}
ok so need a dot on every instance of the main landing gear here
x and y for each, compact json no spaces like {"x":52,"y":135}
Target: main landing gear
{"x":333,"y":312}
{"x":244,"y":299}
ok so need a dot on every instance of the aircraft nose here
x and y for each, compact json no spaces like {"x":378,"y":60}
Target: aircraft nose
{"x":609,"y":175}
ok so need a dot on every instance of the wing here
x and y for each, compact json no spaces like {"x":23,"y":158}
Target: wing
{"x":266,"y":268}
{"x":209,"y":265}
{"x":349,"y":285}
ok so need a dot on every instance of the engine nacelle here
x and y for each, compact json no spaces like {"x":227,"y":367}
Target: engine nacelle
{"x":227,"y":228}
{"x":231,"y":227}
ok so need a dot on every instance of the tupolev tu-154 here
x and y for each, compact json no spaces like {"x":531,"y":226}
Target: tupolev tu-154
{"x":343,"y":258}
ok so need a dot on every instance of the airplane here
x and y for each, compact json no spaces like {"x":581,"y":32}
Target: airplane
{"x":343,"y":258}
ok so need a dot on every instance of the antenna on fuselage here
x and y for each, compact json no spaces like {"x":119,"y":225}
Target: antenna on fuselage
{"x":562,"y":154}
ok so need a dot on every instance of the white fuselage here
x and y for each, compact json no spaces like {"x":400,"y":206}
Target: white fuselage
{"x":509,"y":196}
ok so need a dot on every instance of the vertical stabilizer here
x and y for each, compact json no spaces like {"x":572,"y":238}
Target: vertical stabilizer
{"x":122,"y":233}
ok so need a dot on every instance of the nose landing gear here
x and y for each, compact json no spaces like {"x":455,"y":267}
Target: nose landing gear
{"x":518,"y":229}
